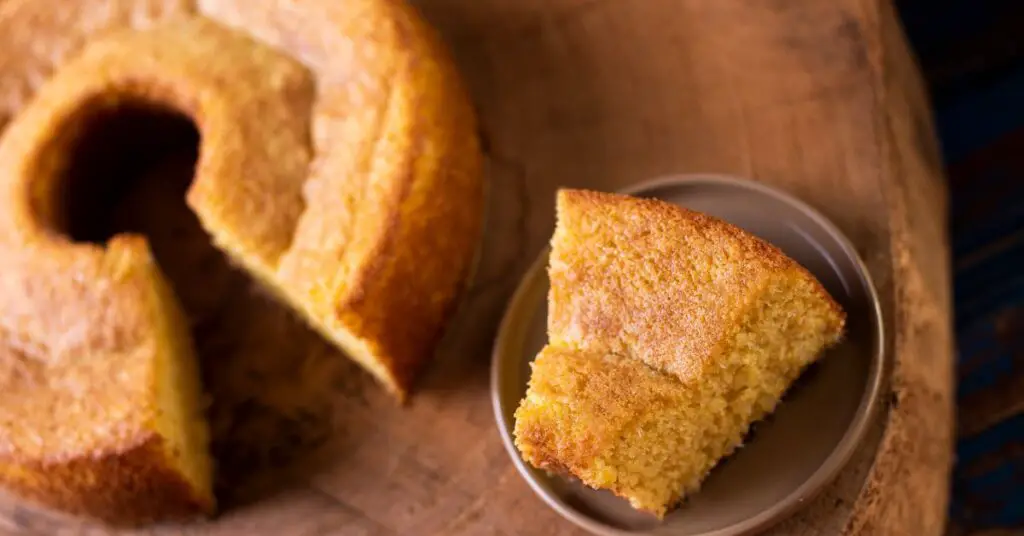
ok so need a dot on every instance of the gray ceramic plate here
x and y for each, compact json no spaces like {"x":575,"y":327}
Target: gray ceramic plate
{"x":789,"y":457}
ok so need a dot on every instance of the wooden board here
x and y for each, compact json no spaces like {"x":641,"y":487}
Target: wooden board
{"x":819,"y":98}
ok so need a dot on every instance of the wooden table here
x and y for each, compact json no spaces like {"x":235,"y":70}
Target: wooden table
{"x":818,"y":97}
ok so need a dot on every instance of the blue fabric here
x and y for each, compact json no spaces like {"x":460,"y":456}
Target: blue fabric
{"x":972,"y":53}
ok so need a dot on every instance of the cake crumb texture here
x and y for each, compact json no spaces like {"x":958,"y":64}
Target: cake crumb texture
{"x":670,"y":333}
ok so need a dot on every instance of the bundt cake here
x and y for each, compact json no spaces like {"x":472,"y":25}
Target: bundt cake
{"x":670,"y":333}
{"x":338,"y":164}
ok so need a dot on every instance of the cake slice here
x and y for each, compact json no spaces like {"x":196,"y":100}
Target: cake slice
{"x":104,"y":415}
{"x":671,"y":332}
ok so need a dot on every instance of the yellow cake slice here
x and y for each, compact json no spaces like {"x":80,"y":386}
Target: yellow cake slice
{"x":671,"y":332}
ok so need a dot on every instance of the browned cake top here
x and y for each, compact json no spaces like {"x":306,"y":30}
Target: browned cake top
{"x":56,"y":398}
{"x":629,"y":275}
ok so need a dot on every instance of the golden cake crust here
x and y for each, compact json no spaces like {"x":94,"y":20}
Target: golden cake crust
{"x":361,"y":208}
{"x":137,"y":485}
{"x":399,"y":117}
{"x":633,"y":301}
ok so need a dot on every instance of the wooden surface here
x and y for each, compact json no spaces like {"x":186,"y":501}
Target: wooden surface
{"x":819,"y":98}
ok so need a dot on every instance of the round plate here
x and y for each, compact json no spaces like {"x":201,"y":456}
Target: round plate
{"x":790,"y":456}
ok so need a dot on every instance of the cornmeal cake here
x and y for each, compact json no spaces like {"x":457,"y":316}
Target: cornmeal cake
{"x":338,"y":164}
{"x":670,"y":333}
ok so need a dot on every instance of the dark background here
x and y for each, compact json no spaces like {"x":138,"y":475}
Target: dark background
{"x":972,"y":54}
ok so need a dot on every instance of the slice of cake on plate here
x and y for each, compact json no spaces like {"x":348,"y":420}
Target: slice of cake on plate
{"x":670,"y":333}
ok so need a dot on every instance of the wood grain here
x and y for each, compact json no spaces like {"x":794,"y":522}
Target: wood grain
{"x":819,"y":98}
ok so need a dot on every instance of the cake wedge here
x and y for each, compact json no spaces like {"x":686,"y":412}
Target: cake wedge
{"x":670,"y":333}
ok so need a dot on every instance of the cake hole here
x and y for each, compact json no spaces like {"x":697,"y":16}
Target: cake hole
{"x":114,"y":148}
{"x":273,"y":383}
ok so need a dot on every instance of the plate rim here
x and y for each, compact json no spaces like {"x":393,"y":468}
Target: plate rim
{"x":833,"y":464}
